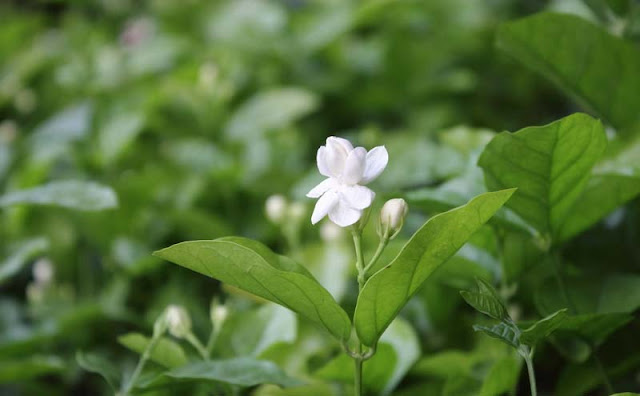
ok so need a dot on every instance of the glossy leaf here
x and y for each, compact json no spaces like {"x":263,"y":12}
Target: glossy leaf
{"x":486,"y":300}
{"x":252,"y":267}
{"x":166,"y":352}
{"x":549,"y":164}
{"x":542,"y":328}
{"x":388,"y":290}
{"x":598,"y":69}
{"x":72,"y":194}
{"x":239,"y":371}
{"x":502,"y":331}
{"x":99,"y":365}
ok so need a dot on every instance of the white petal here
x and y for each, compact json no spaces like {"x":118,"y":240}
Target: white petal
{"x":321,"y":159}
{"x":336,"y":156}
{"x":343,"y":142}
{"x":343,"y":215}
{"x":354,"y":166}
{"x":326,"y":203}
{"x":377,"y":160}
{"x":358,"y":197}
{"x":322,"y":188}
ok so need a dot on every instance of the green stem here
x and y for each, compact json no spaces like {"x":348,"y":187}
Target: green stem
{"x":383,"y":244}
{"x":532,"y":375}
{"x":357,"y":383}
{"x":357,"y":243}
{"x":193,"y":340}
{"x":143,"y":360}
{"x":603,"y":373}
{"x":213,"y":337}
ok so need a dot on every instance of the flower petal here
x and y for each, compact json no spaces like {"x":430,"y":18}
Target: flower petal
{"x":377,"y":160}
{"x":354,"y":166}
{"x":321,"y":159}
{"x":342,"y":142}
{"x":322,"y":188}
{"x":357,"y":197}
{"x":343,"y":215}
{"x":336,"y":155}
{"x":326,"y":203}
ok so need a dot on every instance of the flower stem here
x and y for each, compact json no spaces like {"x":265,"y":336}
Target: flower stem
{"x":213,"y":337}
{"x":193,"y":340}
{"x":143,"y":360}
{"x":357,"y":378}
{"x":532,"y":375}
{"x":383,"y":244}
{"x":357,"y":243}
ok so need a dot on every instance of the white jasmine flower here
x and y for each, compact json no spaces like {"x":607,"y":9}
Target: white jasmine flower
{"x":343,"y":196}
{"x":276,"y":208}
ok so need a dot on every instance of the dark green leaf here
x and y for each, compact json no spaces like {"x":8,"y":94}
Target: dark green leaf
{"x":502,"y":331}
{"x":252,"y":267}
{"x":388,"y":290}
{"x":26,"y":368}
{"x":542,"y":328}
{"x":166,"y":352}
{"x":71,"y":194}
{"x":99,"y":365}
{"x":238,"y":371}
{"x":600,"y":70}
{"x":549,"y":164}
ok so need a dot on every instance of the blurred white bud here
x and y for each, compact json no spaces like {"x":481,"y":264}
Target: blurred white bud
{"x":178,"y":321}
{"x":330,"y":232}
{"x":297,"y":210}
{"x":218,"y":314}
{"x":43,"y":271}
{"x":392,"y":217}
{"x":207,"y":75}
{"x":276,"y":208}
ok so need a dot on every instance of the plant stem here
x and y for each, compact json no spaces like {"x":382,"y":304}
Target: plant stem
{"x":603,"y":373}
{"x":532,"y":375}
{"x":193,"y":340}
{"x":143,"y":360}
{"x":357,"y":243}
{"x":383,"y":243}
{"x":357,"y":378}
{"x":213,"y":337}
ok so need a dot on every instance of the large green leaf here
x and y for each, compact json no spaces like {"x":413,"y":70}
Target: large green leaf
{"x":252,"y":267}
{"x":388,"y":290}
{"x":600,"y":70}
{"x":71,"y":194}
{"x":542,"y":328}
{"x":97,"y":364}
{"x":166,"y":352}
{"x":238,"y":371}
{"x":549,"y":164}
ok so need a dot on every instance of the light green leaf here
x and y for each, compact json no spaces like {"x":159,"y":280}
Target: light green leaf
{"x":18,"y":370}
{"x":502,"y":331}
{"x":502,"y":378}
{"x":486,"y":300}
{"x":97,"y":364}
{"x":15,"y":262}
{"x":252,"y":267}
{"x":71,"y":194}
{"x":598,"y":69}
{"x":542,"y":328}
{"x":166,"y":353}
{"x":388,"y":290}
{"x":626,"y":394}
{"x":239,"y":371}
{"x":549,"y":164}
{"x":602,"y":195}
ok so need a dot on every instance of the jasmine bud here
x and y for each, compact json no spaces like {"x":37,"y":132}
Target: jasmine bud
{"x":392,"y":217}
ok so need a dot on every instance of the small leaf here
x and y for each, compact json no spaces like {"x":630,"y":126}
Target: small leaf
{"x":238,"y":371}
{"x":254,"y":268}
{"x":97,"y":364}
{"x":27,"y":250}
{"x":166,"y":353}
{"x":388,"y":290}
{"x":502,"y":331}
{"x":550,"y":165}
{"x":597,"y":68}
{"x":542,"y":328}
{"x":486,"y":300}
{"x":71,"y":194}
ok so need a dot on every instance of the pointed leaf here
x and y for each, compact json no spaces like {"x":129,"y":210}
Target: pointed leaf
{"x":542,"y":328}
{"x":252,"y":267}
{"x":239,"y":371}
{"x":502,"y":331}
{"x":549,"y":164}
{"x":599,"y":69}
{"x":388,"y":290}
{"x":166,"y":353}
{"x":486,"y":300}
{"x":71,"y":194}
{"x":101,"y":366}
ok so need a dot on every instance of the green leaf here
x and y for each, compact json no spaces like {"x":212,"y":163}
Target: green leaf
{"x":549,"y":164}
{"x":252,"y":267}
{"x":239,"y":371}
{"x":15,"y":262}
{"x":388,"y":290}
{"x":486,"y":300}
{"x":542,"y":328}
{"x":502,"y":378}
{"x":593,"y":327}
{"x":17,"y":370}
{"x":166,"y":353}
{"x":598,"y":69}
{"x":71,"y":194}
{"x":97,"y":364}
{"x":502,"y":331}
{"x":602,"y":195}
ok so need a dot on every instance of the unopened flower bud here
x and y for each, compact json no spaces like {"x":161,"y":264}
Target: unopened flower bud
{"x":178,"y":321}
{"x":43,"y":271}
{"x":392,"y":217}
{"x":276,"y":208}
{"x":218,"y":313}
{"x":297,"y":211}
{"x":330,"y":232}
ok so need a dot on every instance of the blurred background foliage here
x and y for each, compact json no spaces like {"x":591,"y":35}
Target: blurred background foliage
{"x":195,"y":112}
